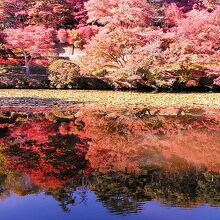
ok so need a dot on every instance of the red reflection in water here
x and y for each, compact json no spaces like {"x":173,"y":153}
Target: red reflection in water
{"x":54,"y":152}
{"x":130,"y":143}
{"x":49,"y":154}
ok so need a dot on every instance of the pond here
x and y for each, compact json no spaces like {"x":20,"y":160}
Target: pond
{"x":67,"y":160}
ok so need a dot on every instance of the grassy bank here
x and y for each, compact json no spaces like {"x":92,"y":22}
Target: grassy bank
{"x":110,"y":99}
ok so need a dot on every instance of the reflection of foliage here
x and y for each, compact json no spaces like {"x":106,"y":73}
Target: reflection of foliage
{"x":48,"y":152}
{"x":120,"y":193}
{"x":16,"y":182}
{"x":70,"y":194}
{"x":45,"y":151}
{"x":64,"y":196}
{"x":137,"y":157}
{"x":186,"y":189}
{"x":129,"y":141}
{"x":124,"y":193}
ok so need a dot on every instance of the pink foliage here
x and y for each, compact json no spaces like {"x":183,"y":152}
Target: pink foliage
{"x":199,"y":31}
{"x":172,"y":14}
{"x":78,"y":11}
{"x":52,"y":13}
{"x":193,"y":43}
{"x":111,"y":48}
{"x":124,"y":23}
{"x":62,"y":35}
{"x":126,"y":13}
{"x":84,"y":34}
{"x":47,"y":12}
{"x":13,"y":11}
{"x":87,"y":32}
{"x":217,"y":81}
{"x":33,"y":40}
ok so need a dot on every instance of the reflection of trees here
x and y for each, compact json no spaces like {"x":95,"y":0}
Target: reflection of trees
{"x":44,"y":153}
{"x":120,"y":193}
{"x":129,"y":141}
{"x":12,"y":181}
{"x":124,"y":193}
{"x":180,"y":144}
{"x":137,"y":157}
{"x":49,"y":158}
{"x":64,"y":195}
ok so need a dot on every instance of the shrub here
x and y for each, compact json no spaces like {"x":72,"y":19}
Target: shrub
{"x":8,"y":62}
{"x":62,"y":73}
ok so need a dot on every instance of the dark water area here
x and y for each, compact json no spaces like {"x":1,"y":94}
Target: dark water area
{"x":83,"y":164}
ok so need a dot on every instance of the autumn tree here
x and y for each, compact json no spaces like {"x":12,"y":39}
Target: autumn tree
{"x":77,"y":37}
{"x":57,"y":13}
{"x":78,"y":12}
{"x":195,"y":40}
{"x":114,"y":49}
{"x":68,"y":16}
{"x":188,"y":39}
{"x":31,"y":42}
{"x":14,"y":13}
{"x":51,"y":13}
{"x":126,"y":13}
{"x":2,"y":47}
{"x":123,"y":26}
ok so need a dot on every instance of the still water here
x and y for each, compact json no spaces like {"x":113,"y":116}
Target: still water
{"x":110,"y":164}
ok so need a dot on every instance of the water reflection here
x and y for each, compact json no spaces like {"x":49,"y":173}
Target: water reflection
{"x":125,"y":158}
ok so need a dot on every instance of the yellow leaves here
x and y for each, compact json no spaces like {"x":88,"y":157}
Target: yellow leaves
{"x":3,"y":158}
{"x":75,"y":36}
{"x":105,"y":69}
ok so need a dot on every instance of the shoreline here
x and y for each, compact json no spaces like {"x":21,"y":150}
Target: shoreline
{"x":107,"y":99}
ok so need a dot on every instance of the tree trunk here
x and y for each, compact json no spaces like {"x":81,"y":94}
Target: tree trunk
{"x":73,"y":50}
{"x":27,"y":64}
